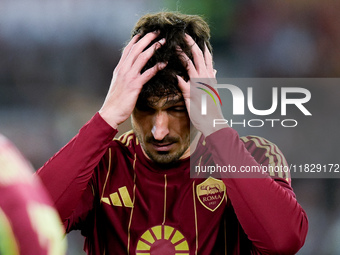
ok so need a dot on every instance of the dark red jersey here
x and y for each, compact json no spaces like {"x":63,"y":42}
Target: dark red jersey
{"x":29,"y":225}
{"x":125,"y":204}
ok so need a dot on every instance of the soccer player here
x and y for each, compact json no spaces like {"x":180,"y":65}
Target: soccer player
{"x":134,"y":194}
{"x":29,"y":224}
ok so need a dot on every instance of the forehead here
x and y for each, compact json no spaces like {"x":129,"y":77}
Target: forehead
{"x":166,"y":101}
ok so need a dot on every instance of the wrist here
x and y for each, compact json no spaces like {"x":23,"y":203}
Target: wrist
{"x":109,"y":119}
{"x":209,"y":130}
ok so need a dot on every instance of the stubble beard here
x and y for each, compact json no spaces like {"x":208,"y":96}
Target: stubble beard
{"x":164,"y":158}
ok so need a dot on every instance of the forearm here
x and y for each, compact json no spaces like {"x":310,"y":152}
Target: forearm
{"x":267,"y":210}
{"x":68,"y":172}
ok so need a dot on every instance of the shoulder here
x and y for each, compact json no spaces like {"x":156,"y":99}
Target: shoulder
{"x":268,"y":155}
{"x":126,"y":143}
{"x":128,"y":140}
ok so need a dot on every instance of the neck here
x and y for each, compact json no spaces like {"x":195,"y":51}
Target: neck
{"x":192,"y":147}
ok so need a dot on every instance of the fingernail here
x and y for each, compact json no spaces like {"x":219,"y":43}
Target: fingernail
{"x":162,"y":65}
{"x":162,"y":41}
{"x":156,"y":31}
{"x":188,"y":38}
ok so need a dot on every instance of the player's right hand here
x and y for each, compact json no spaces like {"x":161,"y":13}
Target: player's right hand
{"x":127,"y":80}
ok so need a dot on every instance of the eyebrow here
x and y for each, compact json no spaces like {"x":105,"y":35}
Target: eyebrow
{"x":174,"y":101}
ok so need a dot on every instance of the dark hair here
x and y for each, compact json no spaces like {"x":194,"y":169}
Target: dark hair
{"x":172,"y":26}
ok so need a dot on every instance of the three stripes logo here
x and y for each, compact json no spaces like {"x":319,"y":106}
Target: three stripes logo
{"x":120,"y":198}
{"x":204,"y":100}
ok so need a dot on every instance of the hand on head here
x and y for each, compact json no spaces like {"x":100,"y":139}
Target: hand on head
{"x":200,"y":70}
{"x":136,"y":73}
{"x":127,"y":80}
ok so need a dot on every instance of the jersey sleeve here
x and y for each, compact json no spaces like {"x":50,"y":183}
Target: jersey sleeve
{"x":266,"y":207}
{"x":68,"y":173}
{"x":268,"y":156}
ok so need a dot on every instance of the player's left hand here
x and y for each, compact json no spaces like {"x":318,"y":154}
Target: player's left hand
{"x":200,"y":71}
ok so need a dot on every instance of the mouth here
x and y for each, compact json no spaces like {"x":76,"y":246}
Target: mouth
{"x":163,"y":147}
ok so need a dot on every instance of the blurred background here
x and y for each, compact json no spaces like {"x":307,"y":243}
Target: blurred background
{"x":57,"y":58}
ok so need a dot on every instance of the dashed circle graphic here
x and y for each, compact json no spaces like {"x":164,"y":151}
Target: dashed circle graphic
{"x":162,"y":239}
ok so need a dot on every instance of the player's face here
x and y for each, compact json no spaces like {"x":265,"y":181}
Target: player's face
{"x":163,"y":129}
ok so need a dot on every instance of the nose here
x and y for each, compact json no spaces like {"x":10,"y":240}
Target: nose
{"x":160,"y":126}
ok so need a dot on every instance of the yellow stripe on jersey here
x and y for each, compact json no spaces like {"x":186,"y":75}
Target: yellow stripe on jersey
{"x":268,"y":154}
{"x":165,"y":186}
{"x":126,"y":138}
{"x":124,"y":194}
{"x":130,"y":138}
{"x":115,"y":199}
{"x":274,"y":149}
{"x":133,"y":202}
{"x":107,"y":176}
{"x":105,"y":200}
{"x":272,"y":153}
{"x":196,"y":224}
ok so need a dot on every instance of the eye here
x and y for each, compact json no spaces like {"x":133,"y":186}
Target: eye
{"x":145,"y":108}
{"x":178,"y":109}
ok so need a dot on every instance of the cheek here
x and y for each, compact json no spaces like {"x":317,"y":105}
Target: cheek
{"x":142,"y":125}
{"x":180,"y":125}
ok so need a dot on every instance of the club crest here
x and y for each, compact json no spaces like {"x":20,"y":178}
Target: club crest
{"x":211,"y":193}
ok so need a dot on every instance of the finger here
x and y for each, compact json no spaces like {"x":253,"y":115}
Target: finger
{"x":185,"y":88}
{"x":139,"y":47}
{"x":151,"y":72}
{"x":187,"y":63}
{"x":183,"y":85}
{"x":208,"y":60}
{"x":127,"y":49}
{"x":145,"y":56}
{"x":196,"y":53}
